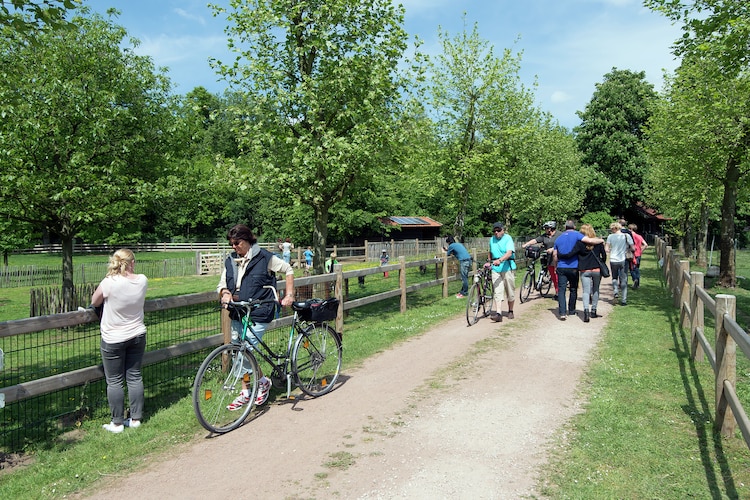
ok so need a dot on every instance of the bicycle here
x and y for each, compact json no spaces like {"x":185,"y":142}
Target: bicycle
{"x":311,"y":360}
{"x":531,"y":281}
{"x":481,"y":296}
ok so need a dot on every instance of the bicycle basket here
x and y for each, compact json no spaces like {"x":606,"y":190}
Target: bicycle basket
{"x":320,"y":310}
{"x":533,"y":252}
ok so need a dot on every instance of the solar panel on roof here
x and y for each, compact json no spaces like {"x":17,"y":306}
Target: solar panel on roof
{"x":408,"y":220}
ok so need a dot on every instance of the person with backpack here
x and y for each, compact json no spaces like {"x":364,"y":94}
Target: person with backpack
{"x":247,"y":270}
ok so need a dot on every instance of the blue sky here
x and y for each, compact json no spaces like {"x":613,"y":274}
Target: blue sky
{"x":567,"y":45}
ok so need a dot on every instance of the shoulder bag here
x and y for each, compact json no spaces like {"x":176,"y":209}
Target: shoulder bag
{"x":603,"y":269}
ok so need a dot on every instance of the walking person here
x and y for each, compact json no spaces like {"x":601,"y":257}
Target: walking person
{"x":502,"y":257}
{"x":547,"y":240}
{"x":384,"y":258}
{"x":247,"y":270}
{"x":590,"y":259}
{"x":286,"y":250}
{"x":616,"y":246}
{"x":309,"y":257}
{"x":640,"y":246}
{"x":464,"y":261}
{"x":567,"y":267}
{"x":123,"y":341}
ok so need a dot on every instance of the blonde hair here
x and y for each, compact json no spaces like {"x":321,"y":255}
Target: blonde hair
{"x":119,"y":261}
{"x":588,"y":230}
{"x":615,"y":226}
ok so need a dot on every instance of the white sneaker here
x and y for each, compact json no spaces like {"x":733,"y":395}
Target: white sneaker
{"x":264,"y":388}
{"x":111,"y":427}
{"x":132,"y":423}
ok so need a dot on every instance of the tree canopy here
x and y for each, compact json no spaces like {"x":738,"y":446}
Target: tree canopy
{"x":322,"y":85}
{"x":85,"y":127}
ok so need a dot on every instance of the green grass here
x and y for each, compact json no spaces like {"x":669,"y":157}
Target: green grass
{"x":646,"y":431}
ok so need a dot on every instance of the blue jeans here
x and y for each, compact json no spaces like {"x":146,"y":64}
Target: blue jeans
{"x":620,"y":279}
{"x":590,"y":283}
{"x":258,"y":328}
{"x":567,"y":278}
{"x":635,"y":272}
{"x":122,"y":363}
{"x":465,"y":265}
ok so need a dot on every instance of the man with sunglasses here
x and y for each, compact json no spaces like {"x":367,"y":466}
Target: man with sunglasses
{"x":502,"y":256}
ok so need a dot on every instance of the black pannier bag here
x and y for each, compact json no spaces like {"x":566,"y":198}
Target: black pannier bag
{"x":320,"y":310}
{"x":533,"y":252}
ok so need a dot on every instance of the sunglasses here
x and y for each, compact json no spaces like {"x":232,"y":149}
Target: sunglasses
{"x":499,"y":230}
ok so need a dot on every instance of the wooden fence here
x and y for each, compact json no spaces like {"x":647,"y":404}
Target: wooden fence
{"x":320,"y":285}
{"x":691,"y":299}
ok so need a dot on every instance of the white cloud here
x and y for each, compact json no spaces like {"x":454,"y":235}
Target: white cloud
{"x":190,"y":17}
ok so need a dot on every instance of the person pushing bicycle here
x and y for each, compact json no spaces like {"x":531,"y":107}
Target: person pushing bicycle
{"x":547,"y":240}
{"x":246,"y":272}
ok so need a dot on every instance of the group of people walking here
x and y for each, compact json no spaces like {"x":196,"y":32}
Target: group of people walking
{"x":570,"y":256}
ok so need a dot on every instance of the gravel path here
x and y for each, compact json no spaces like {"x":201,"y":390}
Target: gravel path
{"x":459,"y":412}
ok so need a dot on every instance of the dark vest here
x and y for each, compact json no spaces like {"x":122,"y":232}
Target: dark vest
{"x":251,"y":287}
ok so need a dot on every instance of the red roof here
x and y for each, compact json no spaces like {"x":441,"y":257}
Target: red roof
{"x":650,"y":212}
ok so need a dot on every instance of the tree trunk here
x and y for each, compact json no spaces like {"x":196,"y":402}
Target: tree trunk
{"x":320,"y":234}
{"x":727,"y":271}
{"x":701,"y":258}
{"x":67,"y":274}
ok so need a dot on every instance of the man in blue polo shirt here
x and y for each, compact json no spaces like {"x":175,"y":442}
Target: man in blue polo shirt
{"x":567,"y":266}
{"x":464,"y":260}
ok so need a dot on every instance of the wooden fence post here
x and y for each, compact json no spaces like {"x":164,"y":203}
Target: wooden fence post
{"x":683,"y":289}
{"x":668,"y":268}
{"x":402,"y":281}
{"x":339,"y":294}
{"x":697,"y":320}
{"x":726,"y":361}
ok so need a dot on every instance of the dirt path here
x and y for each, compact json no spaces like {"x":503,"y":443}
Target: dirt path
{"x":460,"y":412}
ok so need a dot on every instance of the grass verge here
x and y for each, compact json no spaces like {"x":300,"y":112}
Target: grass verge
{"x":647,"y":429}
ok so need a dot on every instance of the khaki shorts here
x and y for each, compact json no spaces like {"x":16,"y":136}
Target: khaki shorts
{"x":505,"y":283}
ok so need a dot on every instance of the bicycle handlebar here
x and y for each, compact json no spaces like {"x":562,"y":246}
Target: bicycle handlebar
{"x":252,"y":303}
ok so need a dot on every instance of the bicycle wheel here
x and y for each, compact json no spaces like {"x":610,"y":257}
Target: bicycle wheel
{"x":218,"y":383}
{"x":474,"y":303}
{"x":488,"y":301}
{"x":316,"y":359}
{"x":545,"y":284}
{"x":527,"y":286}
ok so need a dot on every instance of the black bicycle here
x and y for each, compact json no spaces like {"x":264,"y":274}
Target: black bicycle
{"x":541,"y":283}
{"x":481,"y":298}
{"x":311,"y":360}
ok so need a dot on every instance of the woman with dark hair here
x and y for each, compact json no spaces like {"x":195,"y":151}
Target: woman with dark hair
{"x":247,"y":270}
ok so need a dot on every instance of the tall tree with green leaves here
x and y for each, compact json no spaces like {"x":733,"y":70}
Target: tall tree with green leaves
{"x":715,"y":41}
{"x":610,"y":138}
{"x":85,"y":125}
{"x":475,"y":95}
{"x":322,"y":85}
{"x":25,"y":17}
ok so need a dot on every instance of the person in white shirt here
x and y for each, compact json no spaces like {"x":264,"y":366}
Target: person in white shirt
{"x":123,"y":341}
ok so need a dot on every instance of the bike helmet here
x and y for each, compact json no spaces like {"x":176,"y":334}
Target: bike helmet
{"x":549,"y":225}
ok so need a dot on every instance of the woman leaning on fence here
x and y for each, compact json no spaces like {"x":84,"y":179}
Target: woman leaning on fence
{"x":123,"y":342}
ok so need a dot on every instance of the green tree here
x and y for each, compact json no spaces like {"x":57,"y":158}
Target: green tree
{"x":28,"y":16}
{"x":610,"y":138}
{"x":322,"y":88}
{"x":475,"y":96}
{"x":714,"y":43}
{"x":85,"y":126}
{"x":699,"y":141}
